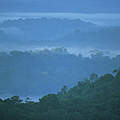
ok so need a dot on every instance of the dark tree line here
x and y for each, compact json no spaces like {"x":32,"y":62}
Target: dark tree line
{"x":83,"y":101}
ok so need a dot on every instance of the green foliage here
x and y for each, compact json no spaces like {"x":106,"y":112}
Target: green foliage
{"x":63,"y":90}
{"x":16,"y":99}
{"x":101,"y":102}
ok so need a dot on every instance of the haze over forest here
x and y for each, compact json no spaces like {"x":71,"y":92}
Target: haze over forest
{"x":61,"y":57}
{"x":39,"y":49}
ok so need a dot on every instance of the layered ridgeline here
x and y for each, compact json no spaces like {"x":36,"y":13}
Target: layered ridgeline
{"x":91,"y":99}
{"x":40,"y":30}
{"x":28,"y":73}
{"x":57,"y":32}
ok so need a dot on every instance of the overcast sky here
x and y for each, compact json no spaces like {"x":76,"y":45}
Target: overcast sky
{"x":79,"y":6}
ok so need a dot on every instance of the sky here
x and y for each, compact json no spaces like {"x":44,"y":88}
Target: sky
{"x":74,"y":6}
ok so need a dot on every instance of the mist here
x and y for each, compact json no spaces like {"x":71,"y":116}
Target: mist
{"x":59,"y":60}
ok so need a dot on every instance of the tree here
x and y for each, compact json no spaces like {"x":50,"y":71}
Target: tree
{"x":1,"y":100}
{"x":16,"y":100}
{"x":13,"y":100}
{"x":117,"y":72}
{"x":60,"y":50}
{"x":93,"y":78}
{"x":49,"y":101}
{"x":64,"y":90}
{"x":83,"y":83}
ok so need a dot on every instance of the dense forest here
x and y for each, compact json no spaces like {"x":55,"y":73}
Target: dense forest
{"x":91,"y":99}
{"x":59,"y":59}
{"x":37,"y":73}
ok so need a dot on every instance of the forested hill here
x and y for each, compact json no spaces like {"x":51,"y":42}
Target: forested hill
{"x":91,"y":99}
{"x":31,"y":33}
{"x":41,"y":72}
{"x":31,"y":30}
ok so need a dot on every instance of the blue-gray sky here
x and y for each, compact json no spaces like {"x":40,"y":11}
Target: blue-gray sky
{"x":79,"y":6}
